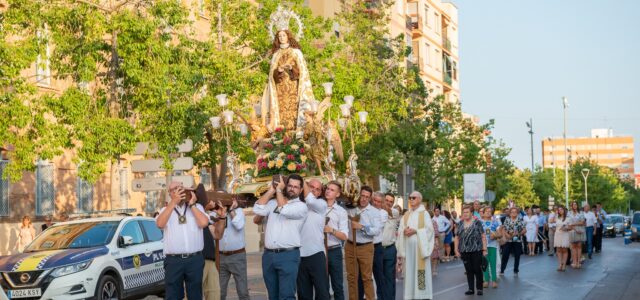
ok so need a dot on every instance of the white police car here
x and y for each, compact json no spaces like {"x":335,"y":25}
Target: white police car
{"x":98,"y":258}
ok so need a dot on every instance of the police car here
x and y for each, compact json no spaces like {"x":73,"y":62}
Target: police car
{"x":98,"y":258}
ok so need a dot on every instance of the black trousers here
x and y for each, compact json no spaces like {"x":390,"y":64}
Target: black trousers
{"x":183,"y":273}
{"x":508,"y":248}
{"x":473,"y":266}
{"x":597,"y":241}
{"x":312,"y":276}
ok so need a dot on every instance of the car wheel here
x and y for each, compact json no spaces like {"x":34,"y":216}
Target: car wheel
{"x":108,"y":288}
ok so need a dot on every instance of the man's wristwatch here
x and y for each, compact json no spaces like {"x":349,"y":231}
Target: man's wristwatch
{"x":192,"y":205}
{"x":278,"y":190}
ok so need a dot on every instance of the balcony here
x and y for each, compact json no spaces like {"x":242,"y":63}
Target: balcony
{"x":414,"y":23}
{"x":446,"y":44}
{"x":446,"y":77}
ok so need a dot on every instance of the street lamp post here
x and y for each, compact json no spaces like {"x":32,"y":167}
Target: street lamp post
{"x":530,"y":126}
{"x":565,"y":104}
{"x":585,"y":174}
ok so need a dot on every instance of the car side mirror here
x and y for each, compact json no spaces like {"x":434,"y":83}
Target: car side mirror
{"x":124,"y":241}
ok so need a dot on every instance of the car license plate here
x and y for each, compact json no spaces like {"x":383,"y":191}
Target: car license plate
{"x":13,"y":294}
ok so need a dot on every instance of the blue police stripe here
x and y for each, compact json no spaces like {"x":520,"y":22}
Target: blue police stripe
{"x":127,"y":262}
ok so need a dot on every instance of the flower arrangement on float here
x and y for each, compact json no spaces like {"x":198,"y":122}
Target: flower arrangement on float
{"x":283,"y":154}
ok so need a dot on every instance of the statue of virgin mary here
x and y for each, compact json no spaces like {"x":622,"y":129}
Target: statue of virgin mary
{"x":288,"y":93}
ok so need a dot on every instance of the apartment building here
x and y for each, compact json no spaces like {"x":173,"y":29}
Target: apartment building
{"x":430,"y":28}
{"x":602,"y":147}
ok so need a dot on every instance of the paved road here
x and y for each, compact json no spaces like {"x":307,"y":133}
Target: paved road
{"x":613,"y":274}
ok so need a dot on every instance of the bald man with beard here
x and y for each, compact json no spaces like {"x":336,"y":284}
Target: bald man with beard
{"x":312,"y":271}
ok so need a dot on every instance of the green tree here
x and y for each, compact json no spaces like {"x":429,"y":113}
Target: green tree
{"x":521,"y":190}
{"x":498,"y":169}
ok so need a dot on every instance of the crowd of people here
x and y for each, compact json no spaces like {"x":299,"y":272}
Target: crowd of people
{"x":311,"y":233}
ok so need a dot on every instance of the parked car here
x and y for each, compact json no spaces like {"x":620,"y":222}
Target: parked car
{"x":635,"y":227}
{"x":613,"y":225}
{"x":96,"y":258}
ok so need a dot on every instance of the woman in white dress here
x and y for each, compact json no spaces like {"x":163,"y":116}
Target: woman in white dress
{"x":561,"y":237}
{"x":531,"y":223}
{"x":578,"y":235}
{"x":27,"y":233}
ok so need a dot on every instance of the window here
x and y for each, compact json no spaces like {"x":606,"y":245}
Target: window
{"x":133,"y":230}
{"x":438,"y":60}
{"x":43,"y":63}
{"x":415,"y":52}
{"x":205,"y":178}
{"x":427,"y":57}
{"x":201,"y":7}
{"x":437,"y":24}
{"x":84,"y":192}
{"x":45,"y":192}
{"x":4,"y":190}
{"x":625,"y":155}
{"x":152,"y":231}
{"x":124,"y":187}
{"x":454,"y":66}
{"x":425,"y":18}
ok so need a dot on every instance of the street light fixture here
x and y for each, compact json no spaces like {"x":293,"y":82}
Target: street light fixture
{"x":565,"y":105}
{"x":530,"y":126}
{"x":585,"y":174}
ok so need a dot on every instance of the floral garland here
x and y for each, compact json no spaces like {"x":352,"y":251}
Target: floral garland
{"x":283,"y":155}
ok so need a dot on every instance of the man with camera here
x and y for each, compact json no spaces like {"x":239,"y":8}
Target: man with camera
{"x":233,"y":257}
{"x":182,"y":221}
{"x":285,"y":216}
{"x":214,"y":232}
{"x":365,"y":222}
{"x":337,"y":230}
{"x":312,"y":272}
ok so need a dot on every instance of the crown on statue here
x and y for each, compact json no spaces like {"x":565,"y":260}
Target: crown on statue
{"x":280,"y":20}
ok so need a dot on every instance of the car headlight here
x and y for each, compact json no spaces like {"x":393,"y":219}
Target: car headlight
{"x":70,"y":269}
{"x":609,"y":227}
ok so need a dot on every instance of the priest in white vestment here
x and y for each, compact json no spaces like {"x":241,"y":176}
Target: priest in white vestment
{"x":415,"y":244}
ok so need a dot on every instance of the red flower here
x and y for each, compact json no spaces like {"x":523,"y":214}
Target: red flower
{"x":260,"y":160}
{"x":286,"y":141}
{"x":279,"y":129}
{"x":298,"y":167}
{"x":291,"y":157}
{"x":301,"y":150}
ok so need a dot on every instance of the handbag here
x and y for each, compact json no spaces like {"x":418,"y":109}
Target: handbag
{"x":484,"y":264}
{"x":502,"y":240}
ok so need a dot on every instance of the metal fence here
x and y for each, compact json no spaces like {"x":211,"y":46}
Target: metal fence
{"x":45,"y":190}
{"x":84,"y":192}
{"x":4,"y":190}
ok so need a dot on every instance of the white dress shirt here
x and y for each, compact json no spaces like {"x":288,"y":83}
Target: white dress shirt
{"x":384,"y":216}
{"x":369,"y":218}
{"x":338,"y":220}
{"x":283,"y":229}
{"x":552,"y":220}
{"x":443,"y":223}
{"x":590,"y":217}
{"x":233,"y":237}
{"x":182,"y":238}
{"x":313,"y":227}
{"x":389,"y":232}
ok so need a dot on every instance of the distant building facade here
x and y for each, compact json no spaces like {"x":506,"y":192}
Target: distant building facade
{"x":602,"y":147}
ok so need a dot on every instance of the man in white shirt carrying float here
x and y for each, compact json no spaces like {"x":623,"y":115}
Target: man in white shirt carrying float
{"x":337,"y":231}
{"x":182,"y":221}
{"x":233,"y":256}
{"x":286,"y":215}
{"x":312,"y":272}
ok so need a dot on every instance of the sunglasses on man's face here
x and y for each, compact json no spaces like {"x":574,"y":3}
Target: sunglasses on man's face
{"x":413,"y":197}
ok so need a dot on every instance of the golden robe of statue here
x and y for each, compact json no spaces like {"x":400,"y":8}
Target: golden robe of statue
{"x":288,"y":92}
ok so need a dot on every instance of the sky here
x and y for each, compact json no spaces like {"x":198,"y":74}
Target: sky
{"x":519,"y":58}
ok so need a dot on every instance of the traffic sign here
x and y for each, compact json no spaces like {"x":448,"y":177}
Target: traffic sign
{"x":143,"y":147}
{"x":159,"y":183}
{"x":155,"y":165}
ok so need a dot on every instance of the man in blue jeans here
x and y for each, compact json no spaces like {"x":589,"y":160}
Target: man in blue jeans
{"x":591,"y":220}
{"x":285,"y":216}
